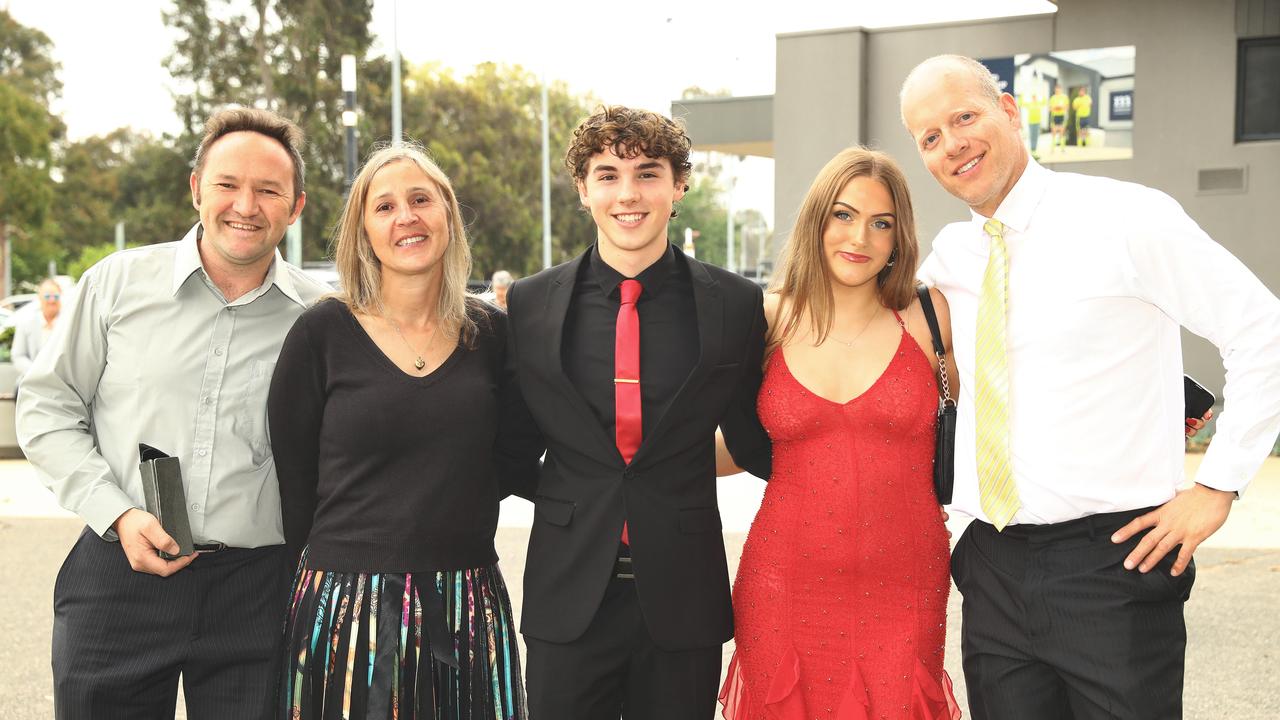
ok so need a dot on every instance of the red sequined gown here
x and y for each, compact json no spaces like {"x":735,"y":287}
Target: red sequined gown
{"x":841,"y":596}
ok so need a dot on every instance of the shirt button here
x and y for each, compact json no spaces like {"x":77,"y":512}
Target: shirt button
{"x":206,"y":400}
{"x":195,"y":506}
{"x":202,"y":452}
{"x":217,"y":351}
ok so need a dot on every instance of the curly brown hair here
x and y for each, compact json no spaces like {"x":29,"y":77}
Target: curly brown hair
{"x":629,"y":132}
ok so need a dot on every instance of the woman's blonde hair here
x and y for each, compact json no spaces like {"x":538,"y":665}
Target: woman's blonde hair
{"x":359,"y":269}
{"x":803,"y":279}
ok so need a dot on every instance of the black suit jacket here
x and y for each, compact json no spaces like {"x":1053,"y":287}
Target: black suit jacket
{"x":667,"y":494}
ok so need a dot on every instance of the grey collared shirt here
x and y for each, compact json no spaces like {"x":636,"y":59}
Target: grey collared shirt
{"x":151,"y":352}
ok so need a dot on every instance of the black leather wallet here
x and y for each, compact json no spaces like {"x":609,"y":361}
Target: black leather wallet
{"x":166,"y":499}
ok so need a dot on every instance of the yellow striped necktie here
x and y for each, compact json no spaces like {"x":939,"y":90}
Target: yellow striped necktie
{"x":999,"y":495}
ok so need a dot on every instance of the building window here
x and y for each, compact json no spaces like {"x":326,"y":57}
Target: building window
{"x":1258,"y":89}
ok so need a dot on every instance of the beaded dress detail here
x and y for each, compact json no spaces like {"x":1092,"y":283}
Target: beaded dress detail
{"x":841,"y":596}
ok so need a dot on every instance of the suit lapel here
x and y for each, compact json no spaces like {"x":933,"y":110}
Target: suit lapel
{"x":559,"y":295}
{"x":708,"y":303}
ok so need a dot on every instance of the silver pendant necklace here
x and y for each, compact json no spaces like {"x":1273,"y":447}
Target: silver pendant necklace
{"x":849,"y":343}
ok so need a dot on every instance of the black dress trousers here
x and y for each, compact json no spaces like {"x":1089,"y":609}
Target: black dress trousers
{"x":615,"y":670}
{"x":1054,"y":627}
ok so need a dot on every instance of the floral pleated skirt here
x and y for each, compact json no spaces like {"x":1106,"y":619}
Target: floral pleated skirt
{"x":401,"y":646}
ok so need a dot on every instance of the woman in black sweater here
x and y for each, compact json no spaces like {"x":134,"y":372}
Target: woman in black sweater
{"x":383,"y":412}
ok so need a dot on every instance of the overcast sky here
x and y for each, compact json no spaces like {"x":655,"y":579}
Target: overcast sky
{"x":112,"y":52}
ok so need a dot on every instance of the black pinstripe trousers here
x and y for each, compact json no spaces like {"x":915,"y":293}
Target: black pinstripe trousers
{"x":1055,"y":628}
{"x":122,"y":638}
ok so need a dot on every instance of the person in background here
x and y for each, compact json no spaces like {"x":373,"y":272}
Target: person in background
{"x":1059,"y":105}
{"x":499,"y":285}
{"x":1082,"y":108}
{"x":383,"y":410}
{"x":35,"y":327}
{"x":1066,"y":295}
{"x":1035,"y":117}
{"x":172,"y":345}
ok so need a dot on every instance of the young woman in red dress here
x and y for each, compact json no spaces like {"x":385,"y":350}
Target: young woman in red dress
{"x":841,"y":595}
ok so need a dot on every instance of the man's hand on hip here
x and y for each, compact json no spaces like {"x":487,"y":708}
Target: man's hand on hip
{"x":1190,"y":517}
{"x":141,"y":536}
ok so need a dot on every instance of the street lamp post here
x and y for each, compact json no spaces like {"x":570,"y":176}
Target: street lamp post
{"x":397,"y":131}
{"x":349,"y":114}
{"x":731,"y":168}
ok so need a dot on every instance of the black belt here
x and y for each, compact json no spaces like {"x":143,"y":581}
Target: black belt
{"x":1090,"y":526}
{"x":210,"y":547}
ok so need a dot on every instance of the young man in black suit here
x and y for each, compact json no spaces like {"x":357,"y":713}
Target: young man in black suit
{"x":626,"y":590}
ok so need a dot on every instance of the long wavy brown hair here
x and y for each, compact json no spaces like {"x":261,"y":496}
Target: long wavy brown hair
{"x":803,"y":279}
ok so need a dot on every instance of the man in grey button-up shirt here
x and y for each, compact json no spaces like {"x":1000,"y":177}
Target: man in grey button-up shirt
{"x":173,"y":345}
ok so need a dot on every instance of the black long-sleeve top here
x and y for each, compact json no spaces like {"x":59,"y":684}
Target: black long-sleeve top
{"x":381,"y":471}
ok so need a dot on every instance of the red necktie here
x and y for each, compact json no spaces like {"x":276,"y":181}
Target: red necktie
{"x":626,"y":376}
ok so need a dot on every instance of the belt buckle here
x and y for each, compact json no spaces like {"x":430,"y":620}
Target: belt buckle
{"x":622,"y":569}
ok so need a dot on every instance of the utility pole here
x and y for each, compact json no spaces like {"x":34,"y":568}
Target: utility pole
{"x":349,"y":115}
{"x":546,"y":177}
{"x":397,"y":130}
{"x":7,"y":238}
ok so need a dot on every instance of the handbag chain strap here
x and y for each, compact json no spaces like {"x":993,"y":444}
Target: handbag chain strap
{"x":926,"y":304}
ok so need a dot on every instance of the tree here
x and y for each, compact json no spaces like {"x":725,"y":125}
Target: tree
{"x":154,"y":200}
{"x":283,"y":55}
{"x":703,"y":210}
{"x":28,"y":83}
{"x":485,"y":132}
{"x":484,"y":129}
{"x":125,"y":177}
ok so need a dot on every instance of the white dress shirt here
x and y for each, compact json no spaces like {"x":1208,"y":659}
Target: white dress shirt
{"x":150,"y":352}
{"x":1101,"y":274}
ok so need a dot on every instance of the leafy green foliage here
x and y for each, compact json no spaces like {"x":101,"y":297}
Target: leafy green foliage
{"x":88,"y":257}
{"x":485,"y":132}
{"x":28,"y":83}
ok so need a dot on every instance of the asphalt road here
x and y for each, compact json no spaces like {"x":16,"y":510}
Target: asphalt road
{"x":1233,"y":657}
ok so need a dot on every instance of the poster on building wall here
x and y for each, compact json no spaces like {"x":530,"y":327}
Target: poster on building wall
{"x":1077,"y":105}
{"x":1122,"y":105}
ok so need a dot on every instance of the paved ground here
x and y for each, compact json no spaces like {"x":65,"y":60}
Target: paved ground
{"x":1233,"y":659}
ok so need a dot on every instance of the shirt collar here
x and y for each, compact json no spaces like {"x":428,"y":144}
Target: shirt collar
{"x":1018,"y":206}
{"x":187,"y":261}
{"x":651,"y":278}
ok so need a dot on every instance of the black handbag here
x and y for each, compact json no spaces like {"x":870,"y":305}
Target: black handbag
{"x":944,"y":458}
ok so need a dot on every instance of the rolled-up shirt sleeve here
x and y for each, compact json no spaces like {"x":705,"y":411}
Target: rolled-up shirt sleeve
{"x":1206,"y":289}
{"x":54,"y":416}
